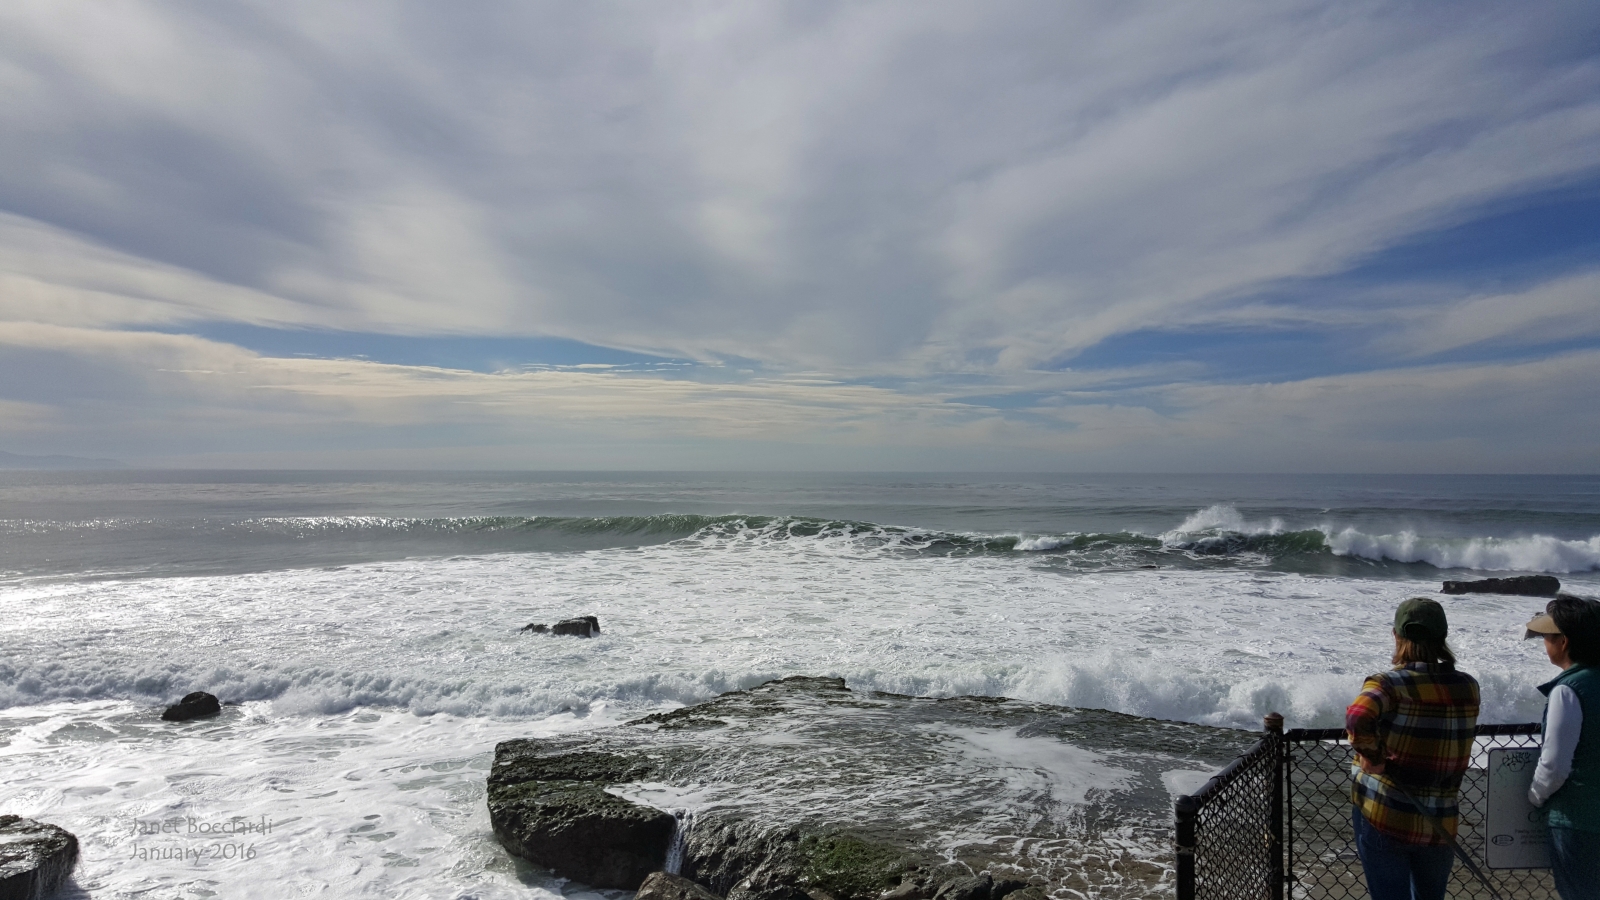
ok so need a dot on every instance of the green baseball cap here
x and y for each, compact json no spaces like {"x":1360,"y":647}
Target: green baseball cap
{"x":1420,"y":619}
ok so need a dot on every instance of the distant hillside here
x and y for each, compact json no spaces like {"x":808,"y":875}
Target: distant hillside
{"x":19,"y":461}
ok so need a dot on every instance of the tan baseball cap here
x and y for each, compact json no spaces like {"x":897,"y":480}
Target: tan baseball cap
{"x":1539,"y":626}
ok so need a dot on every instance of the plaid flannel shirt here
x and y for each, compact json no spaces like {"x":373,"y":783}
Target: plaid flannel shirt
{"x":1420,"y":720}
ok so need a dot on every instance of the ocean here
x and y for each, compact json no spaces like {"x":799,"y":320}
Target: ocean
{"x":364,"y":628}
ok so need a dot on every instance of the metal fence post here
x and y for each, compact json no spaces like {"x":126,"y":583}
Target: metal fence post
{"x":1184,"y":809}
{"x":1274,"y":727}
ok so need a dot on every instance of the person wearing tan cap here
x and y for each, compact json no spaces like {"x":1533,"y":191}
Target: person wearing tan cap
{"x":1566,"y":782}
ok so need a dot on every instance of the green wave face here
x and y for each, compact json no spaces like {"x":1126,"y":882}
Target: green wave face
{"x":133,"y":547}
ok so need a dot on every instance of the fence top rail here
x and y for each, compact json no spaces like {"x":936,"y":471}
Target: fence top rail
{"x":1300,"y":735}
{"x":1222,"y":779}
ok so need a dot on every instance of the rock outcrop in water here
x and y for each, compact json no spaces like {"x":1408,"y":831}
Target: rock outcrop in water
{"x":582,"y":626}
{"x":802,"y":788}
{"x":35,"y":858}
{"x":196,"y":705}
{"x":1524,"y":585}
{"x":553,"y":809}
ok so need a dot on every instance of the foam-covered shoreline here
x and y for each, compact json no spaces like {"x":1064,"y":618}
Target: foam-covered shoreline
{"x":440,"y":636}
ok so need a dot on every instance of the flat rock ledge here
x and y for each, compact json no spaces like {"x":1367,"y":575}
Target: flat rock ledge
{"x":1520,"y":585}
{"x":36,"y":858}
{"x":802,"y":789}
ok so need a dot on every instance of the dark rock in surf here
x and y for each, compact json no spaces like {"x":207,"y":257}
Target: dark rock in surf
{"x":552,"y":809}
{"x":35,"y":858}
{"x":976,"y":887}
{"x":806,"y":790}
{"x":197,"y":705}
{"x":582,"y":626}
{"x":1522,"y":585}
{"x":1005,"y":887}
{"x":666,"y":886}
{"x":983,"y":886}
{"x":912,"y":889}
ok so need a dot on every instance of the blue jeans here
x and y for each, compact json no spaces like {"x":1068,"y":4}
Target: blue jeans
{"x":1397,"y":870}
{"x":1575,"y":863}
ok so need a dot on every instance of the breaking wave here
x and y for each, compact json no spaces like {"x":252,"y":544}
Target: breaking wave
{"x":1535,"y":553}
{"x":1215,"y":535}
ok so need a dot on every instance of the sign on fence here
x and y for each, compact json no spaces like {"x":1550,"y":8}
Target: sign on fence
{"x":1515,"y":828}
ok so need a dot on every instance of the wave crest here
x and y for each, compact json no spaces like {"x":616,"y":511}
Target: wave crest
{"x":1215,"y":535}
{"x":1535,"y":553}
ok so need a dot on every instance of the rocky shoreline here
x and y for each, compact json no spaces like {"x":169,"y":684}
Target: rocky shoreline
{"x":802,"y":788}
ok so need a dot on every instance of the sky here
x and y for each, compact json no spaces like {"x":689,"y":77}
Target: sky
{"x":1091,"y":236}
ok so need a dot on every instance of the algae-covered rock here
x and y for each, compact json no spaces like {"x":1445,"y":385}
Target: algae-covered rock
{"x":517,"y":761}
{"x":802,"y":789}
{"x":846,"y":865}
{"x":551,"y":807}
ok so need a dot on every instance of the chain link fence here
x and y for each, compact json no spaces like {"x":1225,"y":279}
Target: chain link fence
{"x":1275,"y":823}
{"x":1228,"y":833}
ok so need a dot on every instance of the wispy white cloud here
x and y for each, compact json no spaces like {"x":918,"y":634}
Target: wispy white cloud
{"x":855,"y":183}
{"x":174,"y":398}
{"x":49,"y":275}
{"x":941,"y":197}
{"x":1563,"y":309}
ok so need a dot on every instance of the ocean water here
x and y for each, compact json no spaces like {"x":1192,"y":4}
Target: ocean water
{"x":365,"y":627}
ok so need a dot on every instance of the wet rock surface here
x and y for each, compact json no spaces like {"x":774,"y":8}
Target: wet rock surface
{"x":197,"y":705}
{"x":801,"y":788}
{"x":36,"y":858}
{"x":1524,"y":585}
{"x":662,"y":886}
{"x":581,"y":626}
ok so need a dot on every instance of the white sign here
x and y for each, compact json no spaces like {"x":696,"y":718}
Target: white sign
{"x":1514,"y":828}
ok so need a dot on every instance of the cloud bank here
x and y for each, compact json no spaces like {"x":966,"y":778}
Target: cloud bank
{"x":1301,"y":236}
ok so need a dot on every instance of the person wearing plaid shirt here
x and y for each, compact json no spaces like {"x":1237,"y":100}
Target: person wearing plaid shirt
{"x":1412,"y":729}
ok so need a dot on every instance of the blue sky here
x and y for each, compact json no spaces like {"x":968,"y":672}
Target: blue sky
{"x":1027,"y":235}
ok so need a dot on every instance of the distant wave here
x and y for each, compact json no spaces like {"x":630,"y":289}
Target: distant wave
{"x":1222,"y":530}
{"x":1536,"y":553}
{"x":1215,"y":535}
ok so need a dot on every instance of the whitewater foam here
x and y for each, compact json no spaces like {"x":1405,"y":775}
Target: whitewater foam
{"x":441,"y":636}
{"x":1222,"y":518}
{"x":1535,"y":553}
{"x":255,"y":805}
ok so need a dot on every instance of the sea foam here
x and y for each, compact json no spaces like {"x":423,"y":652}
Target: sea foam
{"x":682,"y":624}
{"x":1534,"y":553}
